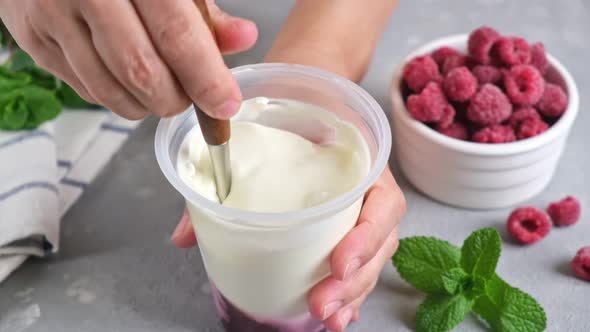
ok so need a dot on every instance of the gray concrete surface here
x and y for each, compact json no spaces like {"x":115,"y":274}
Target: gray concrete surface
{"x":118,"y":271}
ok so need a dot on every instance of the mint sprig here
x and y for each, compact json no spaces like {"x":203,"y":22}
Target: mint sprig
{"x":422,"y":261}
{"x":442,"y":312}
{"x":462,"y":280}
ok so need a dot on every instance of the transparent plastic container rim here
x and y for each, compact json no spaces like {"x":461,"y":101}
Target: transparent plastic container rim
{"x":379,"y":128}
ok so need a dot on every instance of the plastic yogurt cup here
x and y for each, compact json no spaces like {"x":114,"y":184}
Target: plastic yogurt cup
{"x":262,"y":265}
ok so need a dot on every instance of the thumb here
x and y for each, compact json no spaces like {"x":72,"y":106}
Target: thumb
{"x":234,"y":34}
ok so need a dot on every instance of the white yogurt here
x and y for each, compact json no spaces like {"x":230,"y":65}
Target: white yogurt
{"x":285,"y":156}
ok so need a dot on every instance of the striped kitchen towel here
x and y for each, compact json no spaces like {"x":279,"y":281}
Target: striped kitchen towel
{"x":44,"y":171}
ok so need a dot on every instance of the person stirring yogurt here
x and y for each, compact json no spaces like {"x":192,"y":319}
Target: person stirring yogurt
{"x":138,"y":58}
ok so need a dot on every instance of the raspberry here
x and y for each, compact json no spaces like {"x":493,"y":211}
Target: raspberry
{"x":480,"y":44}
{"x":524,"y":85}
{"x":528,"y":225}
{"x":512,"y":51}
{"x":429,"y":105}
{"x":565,"y":212}
{"x":442,"y":53}
{"x":487,"y":74}
{"x":553,"y":102}
{"x":448,"y":117}
{"x":455,"y":61}
{"x":460,"y":84}
{"x":581,"y":264}
{"x":455,"y":130}
{"x":420,"y":71}
{"x":495,"y":134}
{"x":523,"y":114}
{"x":531,"y":128}
{"x":539,"y":58}
{"x":489,"y":106}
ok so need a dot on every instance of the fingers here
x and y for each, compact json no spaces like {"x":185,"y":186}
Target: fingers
{"x":185,"y":43}
{"x":330,"y":296}
{"x":92,"y":72}
{"x":127,"y":51}
{"x":341,"y":319}
{"x":184,"y":234}
{"x":234,"y":34}
{"x":382,"y":211}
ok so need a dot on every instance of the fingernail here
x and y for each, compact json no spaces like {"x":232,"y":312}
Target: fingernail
{"x":345,"y":318}
{"x":228,"y":109}
{"x":183,"y":226}
{"x":331,"y":308}
{"x":352,"y":267}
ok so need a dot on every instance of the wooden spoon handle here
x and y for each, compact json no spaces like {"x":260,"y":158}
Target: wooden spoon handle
{"x":215,"y":131}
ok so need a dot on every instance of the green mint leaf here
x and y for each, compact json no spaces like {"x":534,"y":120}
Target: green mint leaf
{"x":422,"y":261}
{"x":485,"y":309}
{"x":506,"y":308}
{"x":488,"y":307}
{"x":454,"y":280}
{"x":5,"y":37}
{"x":43,"y":79}
{"x":495,"y":289}
{"x":480,"y":252}
{"x":27,"y":107}
{"x":2,"y":34}
{"x":10,"y":80}
{"x":475,"y":288}
{"x":522,"y":312}
{"x":21,"y":61}
{"x":440,"y":313}
{"x":43,"y":105}
{"x":13,"y":112}
{"x":70,"y":98}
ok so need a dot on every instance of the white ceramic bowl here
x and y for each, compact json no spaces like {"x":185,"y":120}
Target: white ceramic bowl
{"x":473,"y":175}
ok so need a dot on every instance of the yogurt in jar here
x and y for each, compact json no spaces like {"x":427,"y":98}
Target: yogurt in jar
{"x":285,"y":156}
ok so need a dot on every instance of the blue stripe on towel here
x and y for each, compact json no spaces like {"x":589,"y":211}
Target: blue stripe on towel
{"x":64,"y":163}
{"x":24,"y":137}
{"x":115,"y":128}
{"x":27,"y":186}
{"x":74,"y":183}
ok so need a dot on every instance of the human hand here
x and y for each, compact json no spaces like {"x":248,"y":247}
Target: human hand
{"x":357,"y":260}
{"x":134,"y":57}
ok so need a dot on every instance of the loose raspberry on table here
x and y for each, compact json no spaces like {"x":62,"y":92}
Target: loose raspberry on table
{"x":565,"y":212}
{"x":524,"y":85}
{"x":539,"y":58}
{"x":487,"y":74}
{"x":455,"y":61}
{"x":442,"y":53}
{"x":460,"y":84}
{"x":455,"y":130}
{"x":420,"y":71}
{"x":581,"y":264}
{"x":528,"y":225}
{"x":512,"y":51}
{"x":489,"y":106}
{"x":480,"y":44}
{"x":495,"y":135}
{"x":554,"y":101}
{"x":429,"y":105}
{"x":531,"y":128}
{"x":522,"y":114}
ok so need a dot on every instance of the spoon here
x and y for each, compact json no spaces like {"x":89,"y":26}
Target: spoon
{"x":216,"y":132}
